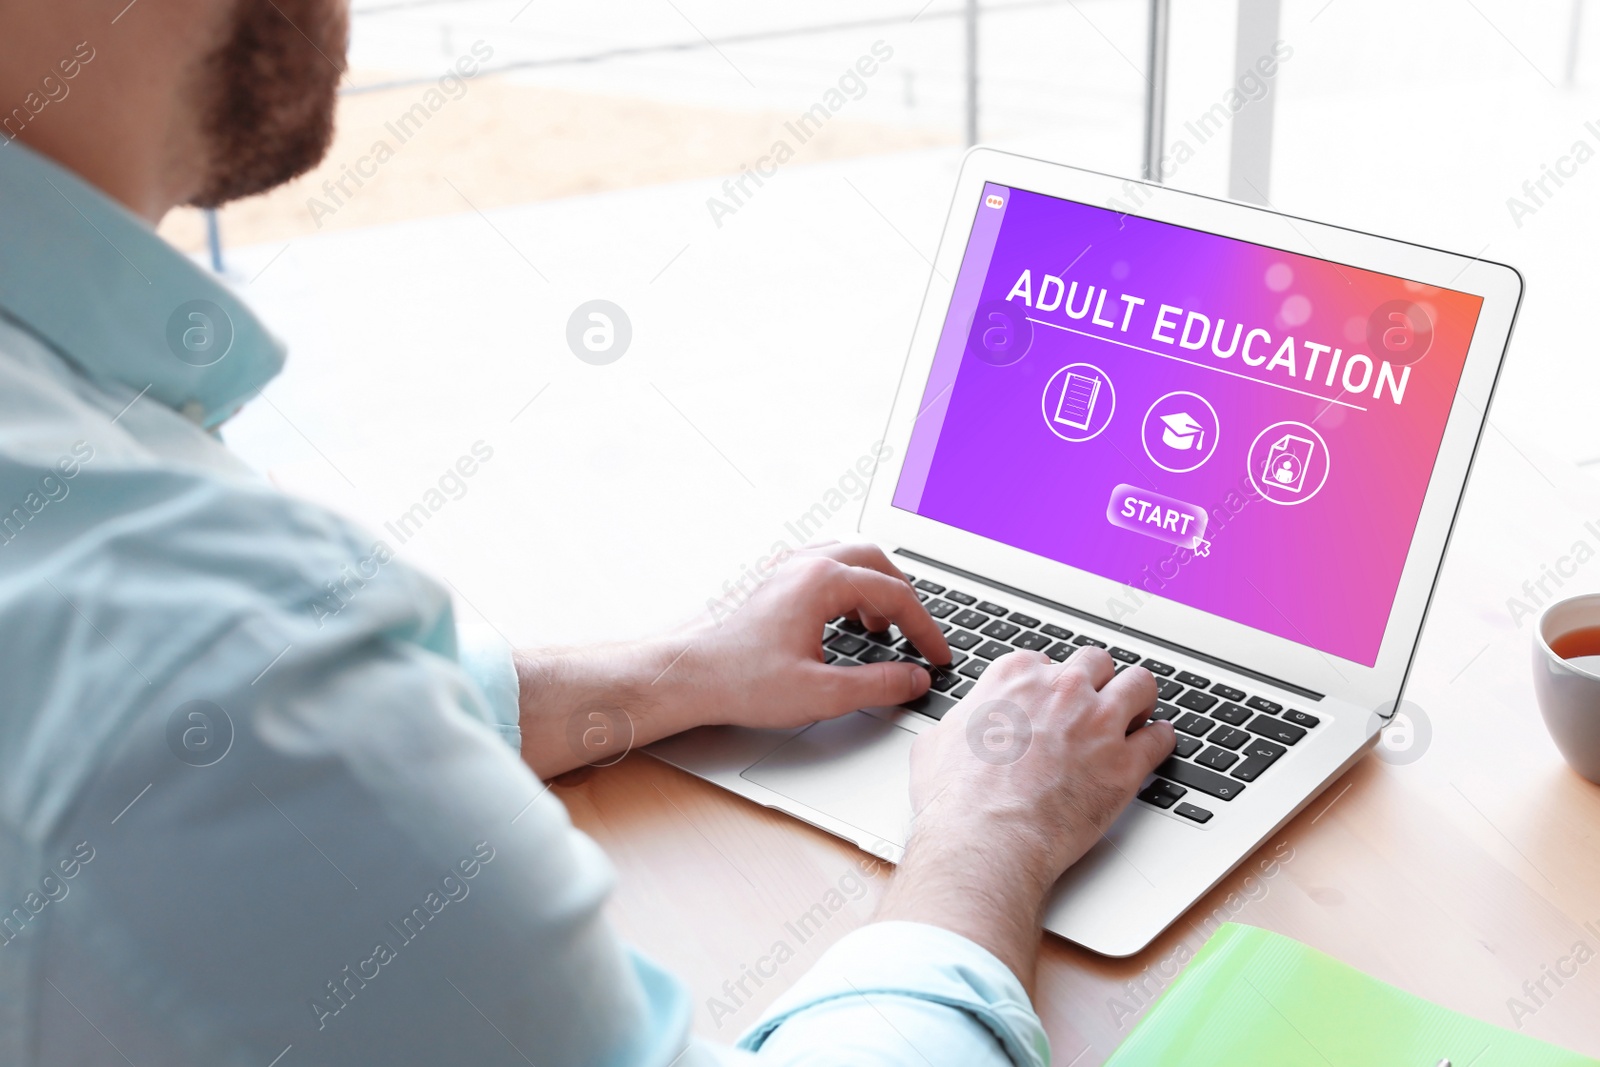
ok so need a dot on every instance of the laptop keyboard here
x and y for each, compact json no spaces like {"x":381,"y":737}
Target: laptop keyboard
{"x":1227,"y":738}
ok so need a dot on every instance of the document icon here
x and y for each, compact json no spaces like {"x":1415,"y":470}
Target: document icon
{"x":1287,"y":461}
{"x":1078,"y":396}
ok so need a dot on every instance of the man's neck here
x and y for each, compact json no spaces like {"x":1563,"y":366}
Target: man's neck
{"x":96,"y":104}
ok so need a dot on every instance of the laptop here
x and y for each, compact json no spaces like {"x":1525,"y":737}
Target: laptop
{"x":1217,"y":441}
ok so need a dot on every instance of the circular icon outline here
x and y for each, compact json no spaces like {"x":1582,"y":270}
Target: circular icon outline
{"x":216,"y":719}
{"x":1022,"y":327}
{"x":582,"y":723}
{"x":1044,"y":403}
{"x":581,"y":322}
{"x":981,"y":722}
{"x":1250,"y":464}
{"x":1419,"y":734}
{"x":1379,"y":326}
{"x":1216,"y":433}
{"x":181,"y":323}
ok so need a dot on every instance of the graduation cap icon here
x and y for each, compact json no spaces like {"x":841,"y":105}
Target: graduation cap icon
{"x":1182,"y":432}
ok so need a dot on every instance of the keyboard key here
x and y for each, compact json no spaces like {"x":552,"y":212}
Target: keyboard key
{"x":1207,"y":781}
{"x":1186,"y":745}
{"x":1283,"y":732}
{"x":910,"y":652}
{"x":1258,"y":756}
{"x":929,"y":587}
{"x":974,"y":668}
{"x":992,"y":650}
{"x":1300,"y":718}
{"x":1167,"y":689}
{"x":1022,"y":620}
{"x":829,"y":656}
{"x":846,"y":661}
{"x":1191,"y":723}
{"x":944,"y":679}
{"x":933,"y":705}
{"x":1227,"y":692}
{"x":1157,"y":668}
{"x":851,"y":626}
{"x":1060,"y":651}
{"x":1000,"y":630}
{"x":940,"y":609}
{"x":1200,"y":778}
{"x":961,"y":690}
{"x":1261,"y":704}
{"x":966,"y":599}
{"x":1195,"y":700}
{"x":1165,"y":711}
{"x":1229,"y":738}
{"x":1162,"y":794}
{"x":1189,"y":811}
{"x":1050,"y":629}
{"x":989,"y":607}
{"x":969,"y":619}
{"x":1218,"y":759}
{"x":908,"y":576}
{"x":962,"y":639}
{"x":848,"y":644}
{"x":1085,"y":639}
{"x":1031,"y":641}
{"x":877,"y":654}
{"x":921,"y":595}
{"x":1231,"y":713}
{"x":1124,"y":655}
{"x":1189,"y":678}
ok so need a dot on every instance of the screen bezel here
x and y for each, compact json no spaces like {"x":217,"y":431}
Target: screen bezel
{"x":1500,"y":287}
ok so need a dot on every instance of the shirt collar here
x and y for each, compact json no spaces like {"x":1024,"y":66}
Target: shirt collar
{"x":95,"y":283}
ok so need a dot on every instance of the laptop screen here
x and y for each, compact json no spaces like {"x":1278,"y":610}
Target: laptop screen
{"x":1237,"y":428}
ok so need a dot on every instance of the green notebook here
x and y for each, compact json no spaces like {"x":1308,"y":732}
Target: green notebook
{"x":1252,"y":998}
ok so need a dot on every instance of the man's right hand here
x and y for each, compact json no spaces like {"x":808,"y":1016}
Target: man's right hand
{"x":1014,"y":785}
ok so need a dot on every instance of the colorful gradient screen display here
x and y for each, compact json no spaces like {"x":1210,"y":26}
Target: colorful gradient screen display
{"x":1233,"y":427}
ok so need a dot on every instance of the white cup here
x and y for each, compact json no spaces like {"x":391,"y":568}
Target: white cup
{"x":1569,"y":689}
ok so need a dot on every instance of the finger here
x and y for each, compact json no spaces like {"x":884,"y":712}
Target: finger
{"x":860,"y":554}
{"x":889,"y":600}
{"x":1130,"y":697}
{"x":816,"y":548}
{"x":1012,"y":664}
{"x":1152,"y":744}
{"x":873,"y":685}
{"x":1095,"y":664}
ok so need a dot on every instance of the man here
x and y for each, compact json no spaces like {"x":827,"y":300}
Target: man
{"x":240,"y":830}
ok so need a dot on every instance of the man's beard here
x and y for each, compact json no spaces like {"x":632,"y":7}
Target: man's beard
{"x":269,"y":93}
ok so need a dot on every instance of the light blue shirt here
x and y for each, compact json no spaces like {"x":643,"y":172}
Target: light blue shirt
{"x":238,"y":824}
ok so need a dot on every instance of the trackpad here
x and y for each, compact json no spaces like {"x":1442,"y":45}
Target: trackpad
{"x":856,"y":768}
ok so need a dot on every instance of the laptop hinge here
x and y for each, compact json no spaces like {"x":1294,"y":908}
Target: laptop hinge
{"x":1298,"y":690}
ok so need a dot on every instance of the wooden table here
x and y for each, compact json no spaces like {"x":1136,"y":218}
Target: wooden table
{"x":1459,"y":877}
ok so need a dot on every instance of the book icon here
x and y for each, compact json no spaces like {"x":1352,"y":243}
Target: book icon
{"x":1079,"y":393}
{"x":1078,"y":402}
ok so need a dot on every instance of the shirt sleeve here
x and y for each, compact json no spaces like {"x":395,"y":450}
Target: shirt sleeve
{"x":486,"y":659}
{"x":903,"y":993}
